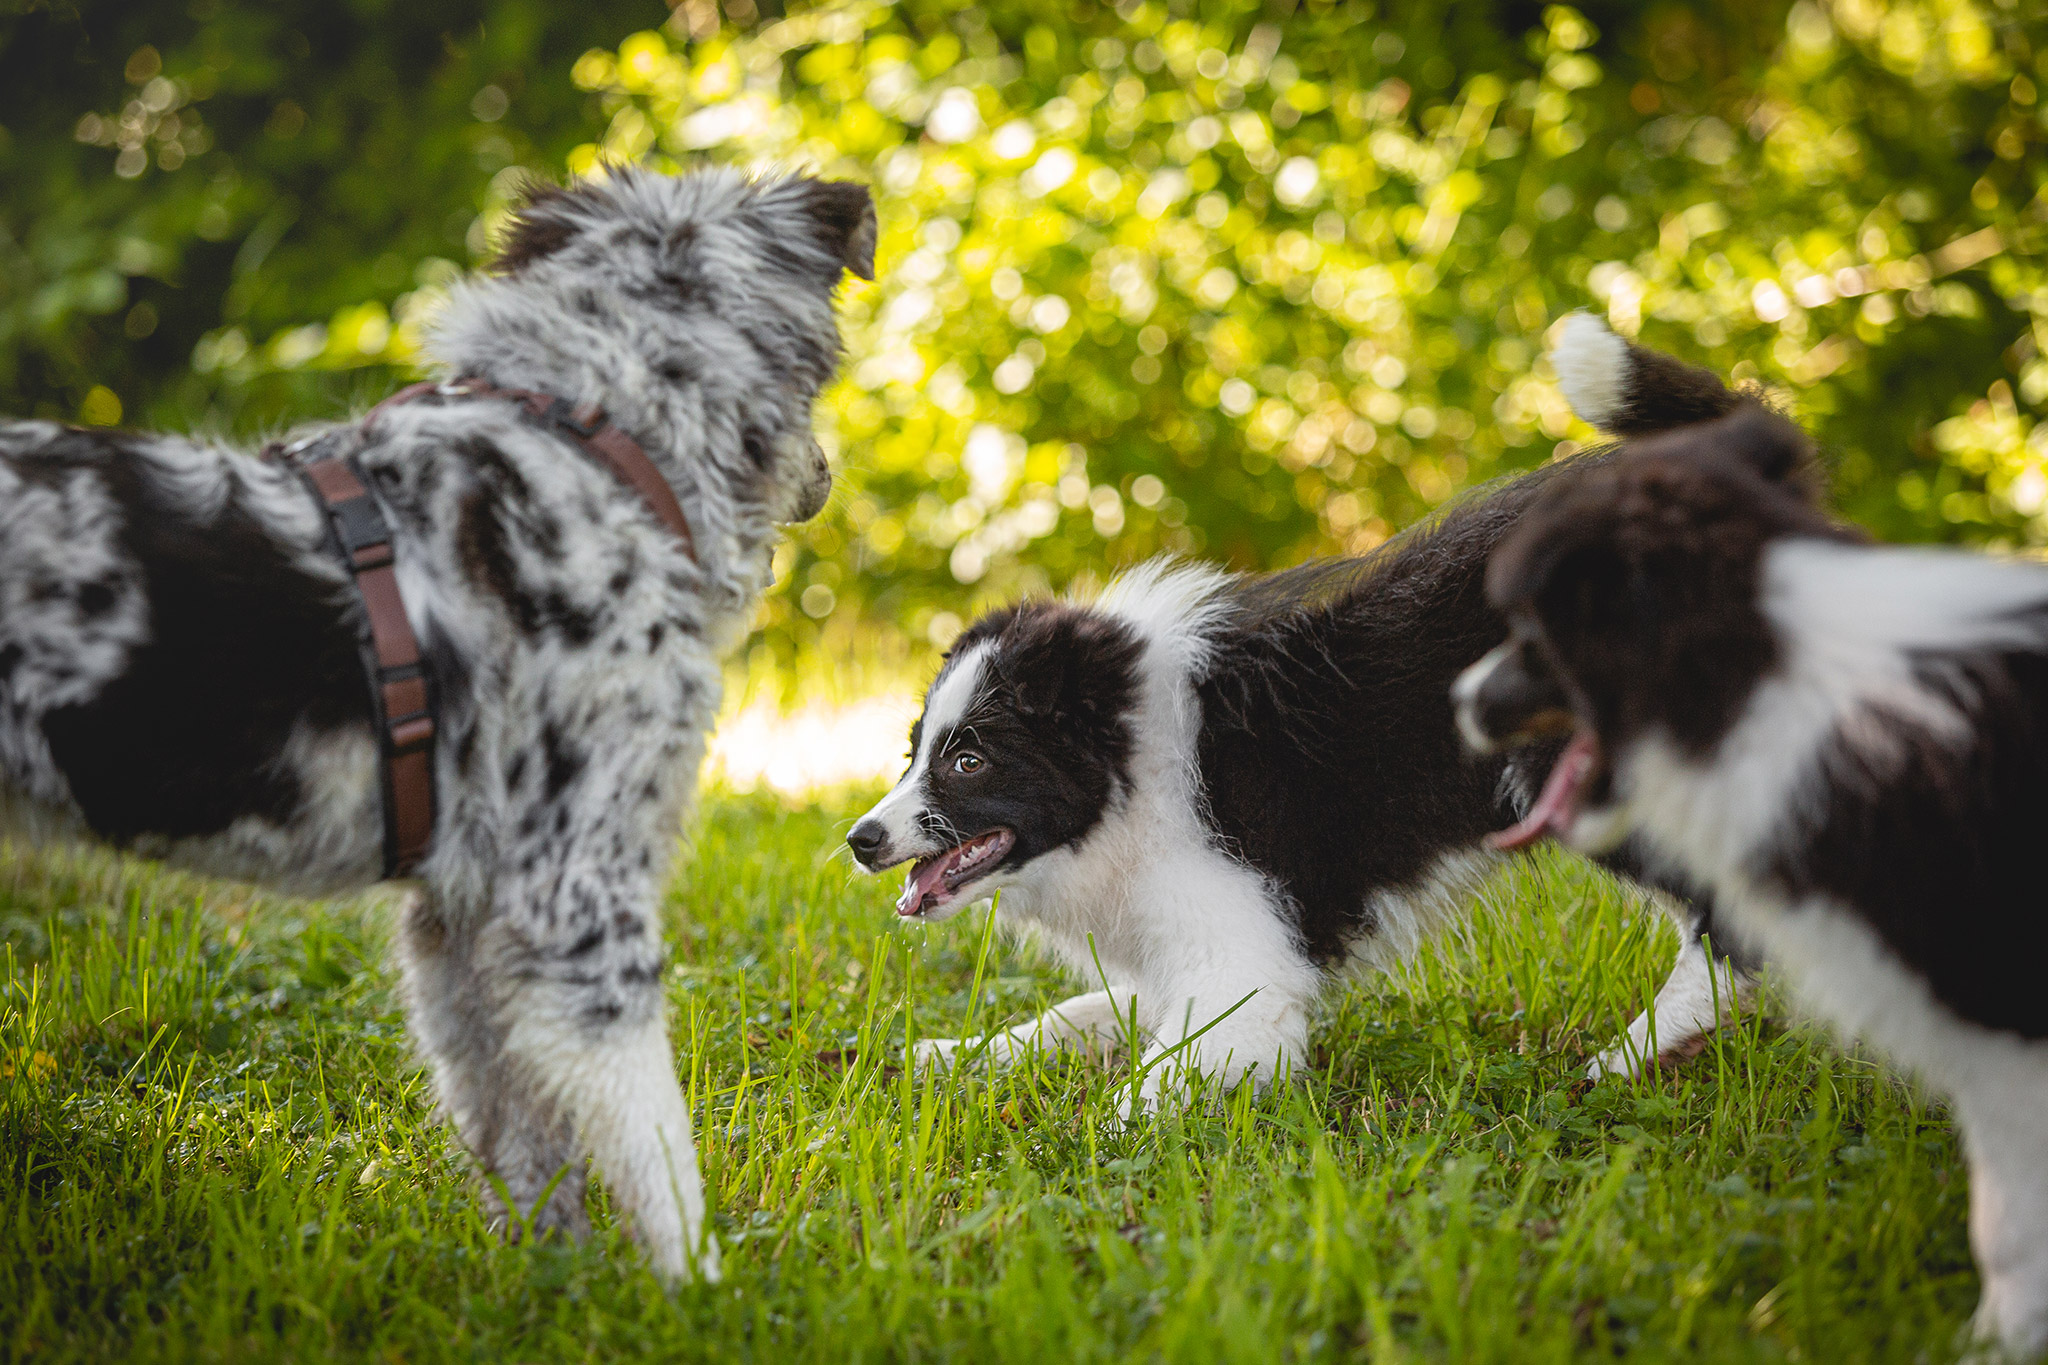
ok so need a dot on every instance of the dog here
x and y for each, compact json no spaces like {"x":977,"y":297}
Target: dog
{"x":1210,"y":793}
{"x":1843,"y":741}
{"x":180,"y":672}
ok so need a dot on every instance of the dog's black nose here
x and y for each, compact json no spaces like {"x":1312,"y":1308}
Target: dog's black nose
{"x":867,"y":842}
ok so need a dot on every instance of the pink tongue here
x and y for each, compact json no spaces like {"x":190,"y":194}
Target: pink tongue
{"x":923,"y":880}
{"x":1558,"y":803}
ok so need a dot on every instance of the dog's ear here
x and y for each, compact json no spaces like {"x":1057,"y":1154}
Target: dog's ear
{"x":1035,"y":671}
{"x":844,"y":215}
{"x":541,"y":225}
{"x":1053,"y":659}
{"x":1772,"y":446}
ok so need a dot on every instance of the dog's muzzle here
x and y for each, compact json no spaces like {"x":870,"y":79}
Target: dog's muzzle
{"x":870,"y":845}
{"x":1508,"y":698}
{"x":814,"y":483}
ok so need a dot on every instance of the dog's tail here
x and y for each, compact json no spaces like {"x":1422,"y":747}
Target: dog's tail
{"x":1629,"y":390}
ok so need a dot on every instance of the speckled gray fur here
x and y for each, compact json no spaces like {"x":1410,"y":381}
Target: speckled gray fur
{"x":177,"y":671}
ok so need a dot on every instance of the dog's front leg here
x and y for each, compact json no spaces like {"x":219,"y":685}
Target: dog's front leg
{"x":577,"y":972}
{"x":520,"y":1138}
{"x":2002,"y":1108}
{"x":1096,"y":1022}
{"x":1703,"y":993}
{"x":1228,"y":1028}
{"x":1224,"y":990}
{"x":616,"y":1076}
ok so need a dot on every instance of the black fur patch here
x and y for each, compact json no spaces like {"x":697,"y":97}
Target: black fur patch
{"x":539,"y":228}
{"x":243,"y":648}
{"x":845,"y":215}
{"x":1328,"y":752}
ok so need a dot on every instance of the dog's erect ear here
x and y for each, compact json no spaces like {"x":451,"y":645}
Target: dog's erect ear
{"x":540,"y":226}
{"x":1052,"y":659}
{"x":1035,"y":671}
{"x":845,"y":216}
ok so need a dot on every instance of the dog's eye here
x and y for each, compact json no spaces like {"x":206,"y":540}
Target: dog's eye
{"x":968,"y":763}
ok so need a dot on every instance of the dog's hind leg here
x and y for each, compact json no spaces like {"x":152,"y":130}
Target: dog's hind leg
{"x":521,"y":1139}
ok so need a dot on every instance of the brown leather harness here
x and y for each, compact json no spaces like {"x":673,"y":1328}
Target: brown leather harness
{"x":404,"y":697}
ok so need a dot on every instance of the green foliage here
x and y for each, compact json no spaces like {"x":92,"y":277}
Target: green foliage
{"x":1259,"y":286}
{"x":1245,"y":280}
{"x":215,"y":213}
{"x":218,"y":1147}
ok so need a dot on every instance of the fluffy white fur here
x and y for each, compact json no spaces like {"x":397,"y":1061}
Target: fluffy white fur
{"x":1592,"y":367}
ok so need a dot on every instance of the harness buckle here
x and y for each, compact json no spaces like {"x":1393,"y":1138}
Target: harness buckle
{"x":563,"y":415}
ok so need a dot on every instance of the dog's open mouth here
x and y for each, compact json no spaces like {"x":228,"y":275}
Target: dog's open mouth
{"x":1564,"y":792}
{"x":938,"y":880}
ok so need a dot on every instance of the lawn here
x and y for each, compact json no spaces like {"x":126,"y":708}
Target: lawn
{"x":218,"y":1148}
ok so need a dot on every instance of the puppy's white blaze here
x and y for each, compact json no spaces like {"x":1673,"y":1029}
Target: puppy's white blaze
{"x":1592,"y":367}
{"x":950,"y":702}
{"x":1465,"y":698}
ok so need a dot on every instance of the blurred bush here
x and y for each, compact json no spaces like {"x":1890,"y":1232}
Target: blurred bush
{"x":1248,"y":281}
{"x":221,"y":213}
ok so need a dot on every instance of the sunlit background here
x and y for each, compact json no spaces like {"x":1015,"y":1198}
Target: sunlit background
{"x":1249,"y":282}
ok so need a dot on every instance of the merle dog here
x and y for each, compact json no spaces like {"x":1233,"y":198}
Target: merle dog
{"x":180,"y":676}
{"x":1844,"y":741}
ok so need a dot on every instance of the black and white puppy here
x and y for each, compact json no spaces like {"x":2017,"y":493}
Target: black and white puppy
{"x":1216,"y":791}
{"x":1844,"y":741}
{"x":179,"y":671}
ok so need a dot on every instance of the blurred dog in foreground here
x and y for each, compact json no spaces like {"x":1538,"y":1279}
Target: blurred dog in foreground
{"x":1217,"y":792}
{"x":1843,"y":742}
{"x":182,"y":650}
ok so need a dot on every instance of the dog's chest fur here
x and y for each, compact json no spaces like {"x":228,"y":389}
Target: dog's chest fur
{"x":178,"y":649}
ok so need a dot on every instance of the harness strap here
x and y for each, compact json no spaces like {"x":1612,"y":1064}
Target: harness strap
{"x":402,"y":697}
{"x":590,"y":428}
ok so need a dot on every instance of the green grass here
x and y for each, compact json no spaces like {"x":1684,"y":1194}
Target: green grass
{"x":217,"y":1148}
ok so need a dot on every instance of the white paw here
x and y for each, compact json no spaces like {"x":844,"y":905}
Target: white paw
{"x":1592,"y":367}
{"x":710,"y":1265}
{"x":935,"y":1054}
{"x":2005,"y":1332}
{"x":675,"y":1266}
{"x":1621,"y":1060}
{"x":1633,"y":1058}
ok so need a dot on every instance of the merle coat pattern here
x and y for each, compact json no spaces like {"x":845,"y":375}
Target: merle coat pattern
{"x":1844,"y":741}
{"x":1217,"y":791}
{"x":179,"y":675}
